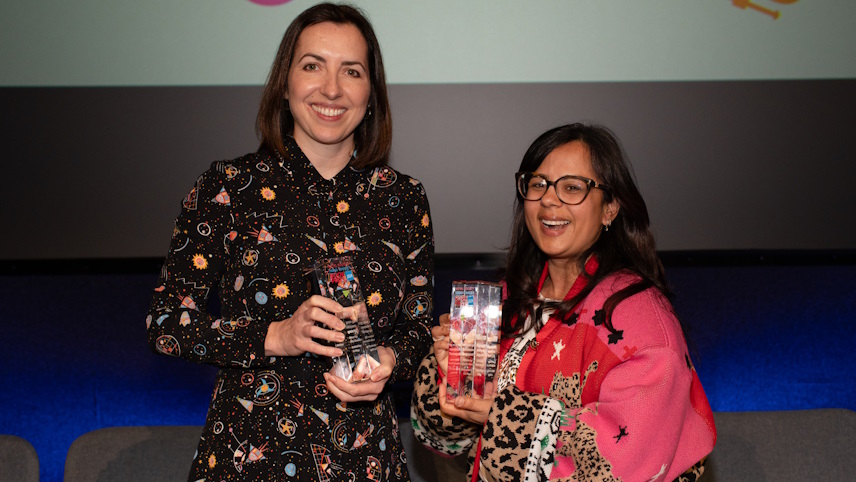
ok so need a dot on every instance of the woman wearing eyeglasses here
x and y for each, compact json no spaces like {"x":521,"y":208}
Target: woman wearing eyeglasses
{"x":595,"y":381}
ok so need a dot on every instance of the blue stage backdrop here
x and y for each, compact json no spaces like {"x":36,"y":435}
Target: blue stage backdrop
{"x":768,"y":336}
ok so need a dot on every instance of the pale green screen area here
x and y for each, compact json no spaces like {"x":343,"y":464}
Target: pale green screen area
{"x":232,"y":42}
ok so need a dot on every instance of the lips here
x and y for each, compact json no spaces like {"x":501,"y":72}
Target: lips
{"x":554,"y":223}
{"x":328,"y":111}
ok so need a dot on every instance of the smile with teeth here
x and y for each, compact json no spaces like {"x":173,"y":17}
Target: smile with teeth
{"x":328,"y":111}
{"x":554,"y":223}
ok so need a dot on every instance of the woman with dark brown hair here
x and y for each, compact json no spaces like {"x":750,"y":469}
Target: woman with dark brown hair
{"x":595,"y":381}
{"x":319,"y":187}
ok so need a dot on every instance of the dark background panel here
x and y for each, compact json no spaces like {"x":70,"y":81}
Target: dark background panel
{"x":100,"y":172}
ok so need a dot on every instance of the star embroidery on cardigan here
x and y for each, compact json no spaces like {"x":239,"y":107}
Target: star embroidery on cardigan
{"x":599,"y":317}
{"x":615,"y":336}
{"x":558,"y":346}
{"x":622,"y":431}
{"x":572,"y":318}
{"x":658,"y":474}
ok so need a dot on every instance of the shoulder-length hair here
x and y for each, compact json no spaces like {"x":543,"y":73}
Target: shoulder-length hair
{"x":628,"y":245}
{"x":373,"y":136}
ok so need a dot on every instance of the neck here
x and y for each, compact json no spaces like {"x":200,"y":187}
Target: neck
{"x":561,"y":275}
{"x":327,"y":159}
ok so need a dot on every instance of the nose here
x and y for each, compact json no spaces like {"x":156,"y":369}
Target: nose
{"x":551,"y":196}
{"x":331,"y":88}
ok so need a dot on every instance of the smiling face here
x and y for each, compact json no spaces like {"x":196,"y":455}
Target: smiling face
{"x":564,"y":232}
{"x":328,"y":86}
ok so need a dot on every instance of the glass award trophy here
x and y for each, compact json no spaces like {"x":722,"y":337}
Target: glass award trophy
{"x":336,"y":279}
{"x":475,"y":314}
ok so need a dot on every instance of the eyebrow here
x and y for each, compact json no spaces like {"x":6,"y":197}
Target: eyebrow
{"x":319,"y":58}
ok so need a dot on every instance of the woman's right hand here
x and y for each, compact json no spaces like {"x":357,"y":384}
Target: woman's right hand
{"x":440,"y":334}
{"x":296,"y":335}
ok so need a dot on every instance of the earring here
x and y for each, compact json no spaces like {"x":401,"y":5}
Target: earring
{"x":368,"y":113}
{"x":607,"y":225}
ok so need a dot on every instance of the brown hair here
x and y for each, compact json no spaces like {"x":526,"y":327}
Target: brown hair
{"x":373,"y":136}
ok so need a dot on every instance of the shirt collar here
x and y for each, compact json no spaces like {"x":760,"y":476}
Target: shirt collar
{"x":293,"y":159}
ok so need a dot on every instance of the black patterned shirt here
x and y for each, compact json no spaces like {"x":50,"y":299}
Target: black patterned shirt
{"x":249,"y":230}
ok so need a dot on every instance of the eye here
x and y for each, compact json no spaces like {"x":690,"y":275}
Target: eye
{"x":572,"y":185}
{"x":537,"y":184}
{"x":353,"y":73}
{"x":311,"y":67}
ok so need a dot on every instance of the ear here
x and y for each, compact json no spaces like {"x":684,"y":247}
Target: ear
{"x":610,"y":211}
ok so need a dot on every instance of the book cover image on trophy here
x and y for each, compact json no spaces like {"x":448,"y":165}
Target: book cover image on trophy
{"x":475,"y":316}
{"x":335,"y":278}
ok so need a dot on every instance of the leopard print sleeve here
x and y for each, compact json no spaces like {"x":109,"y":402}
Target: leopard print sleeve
{"x":520,"y":420}
{"x":447,"y":435}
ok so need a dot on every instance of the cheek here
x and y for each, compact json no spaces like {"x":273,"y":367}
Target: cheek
{"x":297,"y":86}
{"x":592,"y":233}
{"x":531,"y":218}
{"x":360,"y":92}
{"x":591,"y":230}
{"x":362,"y":96}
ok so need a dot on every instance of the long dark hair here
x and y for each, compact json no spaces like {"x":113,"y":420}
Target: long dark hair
{"x":628,"y":245}
{"x":373,"y":137}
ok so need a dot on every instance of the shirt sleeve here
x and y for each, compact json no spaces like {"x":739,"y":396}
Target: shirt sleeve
{"x":443,"y":434}
{"x":631,"y":433}
{"x":179,"y":322}
{"x":411,"y":337}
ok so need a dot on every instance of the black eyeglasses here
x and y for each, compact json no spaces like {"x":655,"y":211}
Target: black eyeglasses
{"x":569,"y":189}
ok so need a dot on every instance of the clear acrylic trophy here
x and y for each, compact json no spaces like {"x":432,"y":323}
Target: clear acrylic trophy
{"x":475,"y":315}
{"x":336,"y":279}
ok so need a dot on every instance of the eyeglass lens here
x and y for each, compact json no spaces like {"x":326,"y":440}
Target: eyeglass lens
{"x":570,"y":190}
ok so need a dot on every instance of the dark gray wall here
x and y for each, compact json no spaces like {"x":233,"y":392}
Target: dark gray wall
{"x":100,"y":172}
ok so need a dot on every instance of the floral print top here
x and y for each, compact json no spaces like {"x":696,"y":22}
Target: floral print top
{"x":250,"y":230}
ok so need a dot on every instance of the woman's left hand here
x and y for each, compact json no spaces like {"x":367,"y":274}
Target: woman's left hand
{"x":473,"y":410}
{"x":368,"y":390}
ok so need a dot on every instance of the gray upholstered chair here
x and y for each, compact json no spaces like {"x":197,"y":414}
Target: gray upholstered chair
{"x":752,"y":446}
{"x":783,"y":446}
{"x":164,"y":453}
{"x":132,"y":454}
{"x":18,"y":460}
{"x":788,"y":445}
{"x":425,"y":465}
